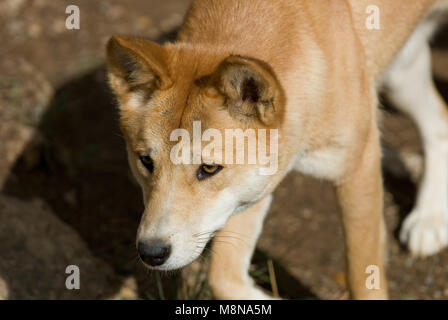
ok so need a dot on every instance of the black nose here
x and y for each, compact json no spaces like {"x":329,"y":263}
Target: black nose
{"x":153,"y":252}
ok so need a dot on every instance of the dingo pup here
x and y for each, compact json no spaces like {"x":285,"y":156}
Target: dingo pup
{"x":308,"y":69}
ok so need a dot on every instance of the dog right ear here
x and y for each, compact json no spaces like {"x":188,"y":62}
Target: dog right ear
{"x":136,"y":65}
{"x":250,"y":89}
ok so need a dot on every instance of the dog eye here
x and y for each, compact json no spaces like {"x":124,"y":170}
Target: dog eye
{"x":206,"y":171}
{"x":147,"y":162}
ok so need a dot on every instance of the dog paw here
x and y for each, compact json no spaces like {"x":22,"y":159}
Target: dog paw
{"x":425,"y":233}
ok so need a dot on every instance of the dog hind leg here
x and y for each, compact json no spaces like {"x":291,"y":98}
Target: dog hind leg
{"x":409,"y":86}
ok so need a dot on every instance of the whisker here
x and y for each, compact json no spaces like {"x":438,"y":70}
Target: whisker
{"x":229,"y":231}
{"x":231,"y":237}
{"x":226,"y":242}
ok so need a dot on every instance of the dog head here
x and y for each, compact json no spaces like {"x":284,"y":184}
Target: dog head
{"x":174,"y":101}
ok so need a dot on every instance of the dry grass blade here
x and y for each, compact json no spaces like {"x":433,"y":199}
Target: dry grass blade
{"x":273,"y":279}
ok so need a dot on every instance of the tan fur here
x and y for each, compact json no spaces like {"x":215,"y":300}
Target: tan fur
{"x":319,"y":66}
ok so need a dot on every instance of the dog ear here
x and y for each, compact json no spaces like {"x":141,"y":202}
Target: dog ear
{"x":136,"y":65}
{"x":250,"y":88}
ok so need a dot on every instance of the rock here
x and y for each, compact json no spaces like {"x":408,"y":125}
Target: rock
{"x":13,"y":139}
{"x":36,"y":249}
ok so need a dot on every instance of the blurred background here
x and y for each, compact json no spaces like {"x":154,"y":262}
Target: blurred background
{"x":67,"y":196}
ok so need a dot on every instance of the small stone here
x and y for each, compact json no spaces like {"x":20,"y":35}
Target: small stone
{"x":429,"y":281}
{"x":58,"y":26}
{"x":34,"y":30}
{"x":115,"y":12}
{"x":143,"y":23}
{"x":307,"y":213}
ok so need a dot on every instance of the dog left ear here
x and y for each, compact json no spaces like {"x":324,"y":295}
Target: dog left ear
{"x":136,"y":65}
{"x":250,"y":88}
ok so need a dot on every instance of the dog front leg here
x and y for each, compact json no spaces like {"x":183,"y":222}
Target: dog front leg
{"x":232,"y":252}
{"x":360,"y":195}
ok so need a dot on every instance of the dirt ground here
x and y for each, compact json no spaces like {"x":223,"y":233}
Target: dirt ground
{"x":67,"y":195}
